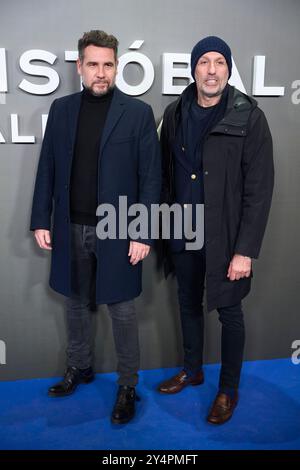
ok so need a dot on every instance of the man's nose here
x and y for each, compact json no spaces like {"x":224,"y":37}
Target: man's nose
{"x":212,"y":68}
{"x":100,"y":71}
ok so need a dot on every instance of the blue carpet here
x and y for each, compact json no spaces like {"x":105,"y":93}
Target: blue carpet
{"x":267,"y":417}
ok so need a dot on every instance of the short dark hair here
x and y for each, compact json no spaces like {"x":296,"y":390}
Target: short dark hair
{"x":97,"y":38}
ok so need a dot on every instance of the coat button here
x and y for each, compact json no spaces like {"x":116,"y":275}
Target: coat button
{"x":66,"y":186}
{"x":183,"y":148}
{"x":193,"y":176}
{"x":206,"y":172}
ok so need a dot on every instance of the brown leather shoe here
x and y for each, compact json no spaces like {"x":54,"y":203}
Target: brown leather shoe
{"x":222,"y":408}
{"x":178,"y":382}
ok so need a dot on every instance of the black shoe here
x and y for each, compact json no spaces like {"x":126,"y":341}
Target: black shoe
{"x":73,"y":377}
{"x":124,"y":408}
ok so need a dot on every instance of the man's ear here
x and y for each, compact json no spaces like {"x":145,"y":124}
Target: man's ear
{"x":78,"y":64}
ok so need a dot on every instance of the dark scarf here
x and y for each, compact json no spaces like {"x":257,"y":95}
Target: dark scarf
{"x":206,"y":125}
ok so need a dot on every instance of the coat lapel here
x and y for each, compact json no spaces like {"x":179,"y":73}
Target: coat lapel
{"x":73,"y":113}
{"x":116,"y":110}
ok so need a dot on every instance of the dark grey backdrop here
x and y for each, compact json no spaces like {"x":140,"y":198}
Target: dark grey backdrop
{"x":31,"y":316}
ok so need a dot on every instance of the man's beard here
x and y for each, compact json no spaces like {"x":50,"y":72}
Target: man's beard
{"x":99,"y":93}
{"x":213,"y":95}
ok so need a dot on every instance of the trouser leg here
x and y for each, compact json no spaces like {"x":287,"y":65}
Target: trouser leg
{"x":83,"y":270}
{"x":190,"y":274}
{"x":125,"y":332}
{"x":233,"y":341}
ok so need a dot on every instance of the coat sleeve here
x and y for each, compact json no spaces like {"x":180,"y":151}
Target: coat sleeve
{"x":258,"y":174}
{"x":43,"y":191}
{"x":149,"y":169}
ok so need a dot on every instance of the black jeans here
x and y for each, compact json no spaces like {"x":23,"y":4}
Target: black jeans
{"x":190,"y":274}
{"x":78,"y":306}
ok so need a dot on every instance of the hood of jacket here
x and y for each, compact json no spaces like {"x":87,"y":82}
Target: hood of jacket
{"x":238,"y":108}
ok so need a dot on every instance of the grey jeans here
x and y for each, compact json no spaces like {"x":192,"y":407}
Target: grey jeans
{"x":78,"y":307}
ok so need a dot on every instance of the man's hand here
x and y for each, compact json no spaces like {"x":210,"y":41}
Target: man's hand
{"x":240,"y":266}
{"x":43,"y":239}
{"x":137,"y":252}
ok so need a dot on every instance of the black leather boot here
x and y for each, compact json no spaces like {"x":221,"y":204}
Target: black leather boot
{"x":124,"y":408}
{"x":73,"y":377}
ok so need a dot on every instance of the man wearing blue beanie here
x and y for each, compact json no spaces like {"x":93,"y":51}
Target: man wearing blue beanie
{"x":211,"y":43}
{"x":217,"y":151}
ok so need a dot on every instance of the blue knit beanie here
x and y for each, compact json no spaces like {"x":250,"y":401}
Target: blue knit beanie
{"x":211,"y":43}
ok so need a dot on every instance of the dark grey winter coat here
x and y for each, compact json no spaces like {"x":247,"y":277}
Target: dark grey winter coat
{"x":238,"y":177}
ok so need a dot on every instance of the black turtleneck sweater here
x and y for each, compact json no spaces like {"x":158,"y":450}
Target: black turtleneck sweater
{"x":84,"y":174}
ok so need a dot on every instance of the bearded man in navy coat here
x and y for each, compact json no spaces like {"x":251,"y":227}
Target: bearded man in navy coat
{"x":99,"y":144}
